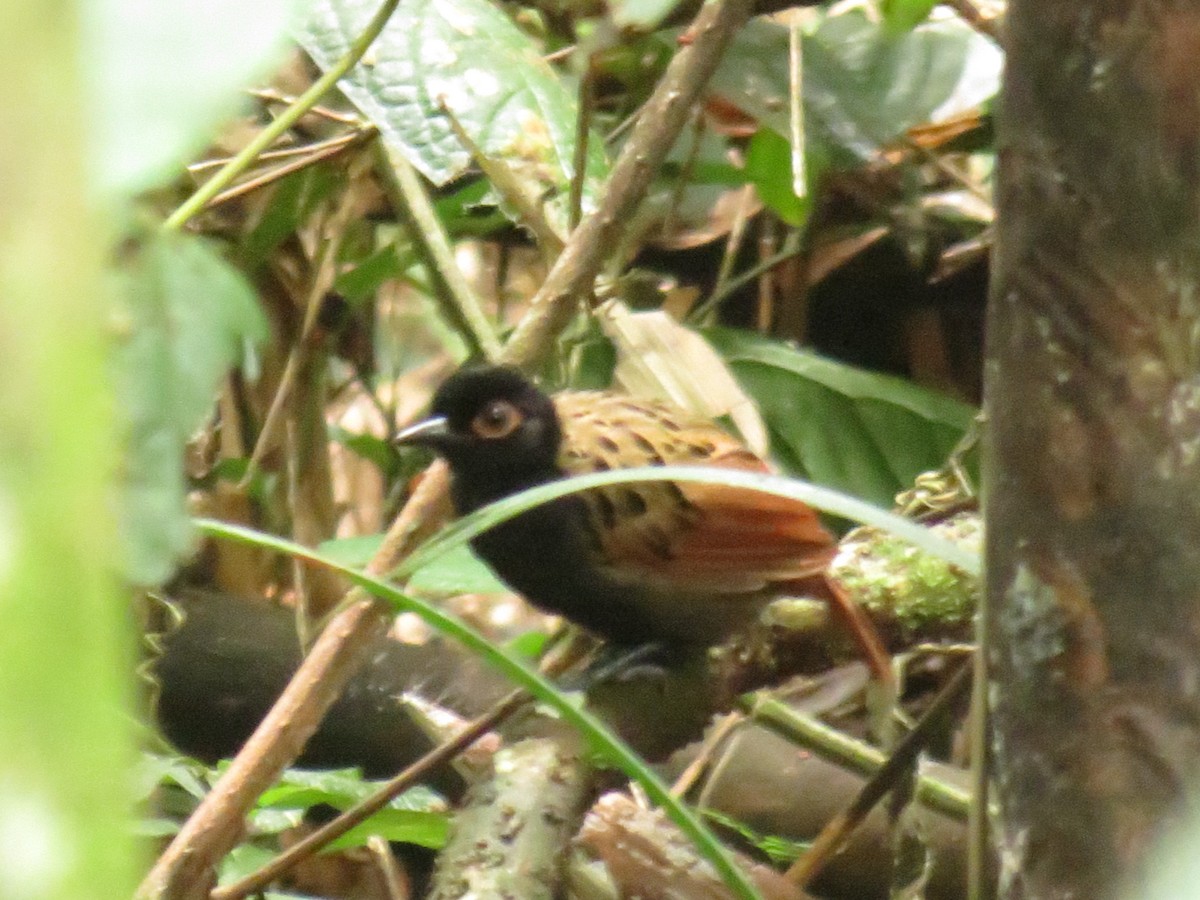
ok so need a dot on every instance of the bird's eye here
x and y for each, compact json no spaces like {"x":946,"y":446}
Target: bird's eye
{"x":497,"y":420}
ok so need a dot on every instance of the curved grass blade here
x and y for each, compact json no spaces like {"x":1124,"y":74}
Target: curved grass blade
{"x":822,"y":498}
{"x":612,"y":748}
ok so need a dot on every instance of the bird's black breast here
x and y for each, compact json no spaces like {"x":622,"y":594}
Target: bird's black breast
{"x":549,"y":556}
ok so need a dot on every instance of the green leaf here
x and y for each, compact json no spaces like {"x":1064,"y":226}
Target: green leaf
{"x":418,"y":816}
{"x":241,"y":861}
{"x":863,"y":85}
{"x":459,"y":571}
{"x":302,"y":788}
{"x":469,"y":56}
{"x":769,"y":167}
{"x":352,"y":551}
{"x":187,"y":318}
{"x":361,"y":282}
{"x":640,"y":15}
{"x":162,"y":76}
{"x":293,"y":201}
{"x":860,"y":432}
{"x":370,"y":448}
{"x":905,"y":15}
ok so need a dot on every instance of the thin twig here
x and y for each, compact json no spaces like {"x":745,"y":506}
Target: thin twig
{"x":598,"y":234}
{"x":324,"y":271}
{"x":385,"y":794}
{"x":793,"y":245}
{"x":394,"y":881}
{"x":271,"y":95}
{"x":845,"y":751}
{"x":583,"y":134}
{"x":699,"y":126}
{"x":902,"y":758}
{"x":737,"y":232}
{"x":287,"y":153}
{"x":286,"y":120}
{"x":712,"y":742}
{"x":269,"y":176}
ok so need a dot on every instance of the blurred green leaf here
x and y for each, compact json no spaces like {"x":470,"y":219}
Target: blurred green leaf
{"x":468,"y":56}
{"x":293,"y":200}
{"x":361,"y":282}
{"x":780,"y":850}
{"x":154,"y":769}
{"x":241,"y":861}
{"x":162,"y":77}
{"x":641,"y":15}
{"x":187,"y":316}
{"x":457,"y":572}
{"x":370,"y":448}
{"x":769,"y":166}
{"x":863,"y":85}
{"x":904,"y":15}
{"x":418,"y":816}
{"x":352,"y":551}
{"x":860,"y":432}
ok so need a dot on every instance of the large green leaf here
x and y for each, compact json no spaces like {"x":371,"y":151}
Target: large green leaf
{"x":417,"y":816}
{"x":187,"y":316}
{"x":468,"y":56}
{"x":458,"y":571}
{"x":162,"y":76}
{"x":864,"y":84}
{"x":860,"y":432}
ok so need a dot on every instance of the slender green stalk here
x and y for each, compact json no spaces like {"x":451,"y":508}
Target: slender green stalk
{"x":280,"y":125}
{"x":597,"y":735}
{"x":429,"y":237}
{"x":844,"y":750}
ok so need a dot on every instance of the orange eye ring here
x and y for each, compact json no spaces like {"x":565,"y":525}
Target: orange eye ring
{"x":497,"y":420}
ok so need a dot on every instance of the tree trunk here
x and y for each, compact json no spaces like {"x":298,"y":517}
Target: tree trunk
{"x":1093,"y":472}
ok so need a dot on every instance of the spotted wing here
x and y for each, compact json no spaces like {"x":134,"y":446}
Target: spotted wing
{"x":713,"y":537}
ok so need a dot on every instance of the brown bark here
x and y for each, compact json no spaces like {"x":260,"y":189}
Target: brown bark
{"x":1093,"y":472}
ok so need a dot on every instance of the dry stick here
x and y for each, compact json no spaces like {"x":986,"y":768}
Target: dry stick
{"x":271,"y":95}
{"x":363,"y":810}
{"x":691,"y":774}
{"x":661,"y":120}
{"x":285,"y":153}
{"x":737,"y":232}
{"x":342,"y":647}
{"x":841,"y":826}
{"x":394,"y":880}
{"x":328,"y":150}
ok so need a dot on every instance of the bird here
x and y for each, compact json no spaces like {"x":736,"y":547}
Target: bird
{"x":664,"y":563}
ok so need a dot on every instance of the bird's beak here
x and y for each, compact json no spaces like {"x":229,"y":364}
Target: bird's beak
{"x":432,"y":432}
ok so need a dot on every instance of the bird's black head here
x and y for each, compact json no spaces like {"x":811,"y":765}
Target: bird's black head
{"x":498,"y":432}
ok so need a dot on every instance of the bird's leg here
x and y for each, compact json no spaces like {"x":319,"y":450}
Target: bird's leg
{"x":624,"y":662}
